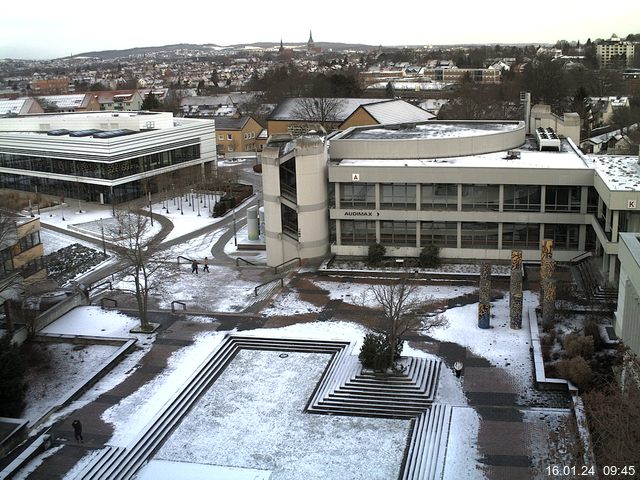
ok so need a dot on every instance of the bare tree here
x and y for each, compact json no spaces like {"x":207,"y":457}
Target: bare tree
{"x":136,"y":244}
{"x":320,"y":110}
{"x":10,"y":280}
{"x":402,"y":312}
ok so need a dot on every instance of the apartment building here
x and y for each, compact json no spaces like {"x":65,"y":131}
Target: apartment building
{"x":615,"y":52}
{"x":236,"y":134}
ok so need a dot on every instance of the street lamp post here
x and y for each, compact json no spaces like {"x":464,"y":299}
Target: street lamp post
{"x":199,"y":205}
{"x":235,"y":237}
{"x":150,"y":209}
{"x":104,"y":246}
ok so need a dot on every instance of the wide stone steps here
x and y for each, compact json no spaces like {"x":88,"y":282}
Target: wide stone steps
{"x":427,"y":450}
{"x":118,"y":463}
{"x":348,"y":390}
{"x":593,"y":284}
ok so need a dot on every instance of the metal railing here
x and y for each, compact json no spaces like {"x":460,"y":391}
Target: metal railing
{"x":275,"y":269}
{"x":105,"y":299}
{"x":281,"y":280}
{"x":579,"y":258}
{"x":173,"y":308}
{"x":240,"y":259}
{"x":187,"y":259}
{"x":108,"y":282}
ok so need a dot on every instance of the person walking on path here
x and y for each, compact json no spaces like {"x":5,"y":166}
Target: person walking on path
{"x":77,"y":430}
{"x":194,"y":267}
{"x":206,"y":265}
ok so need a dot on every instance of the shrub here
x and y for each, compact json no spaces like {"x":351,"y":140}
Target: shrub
{"x":376,"y":352}
{"x":12,"y":385}
{"x":578,"y":345}
{"x":429,"y":256}
{"x":591,"y":329}
{"x":577,"y":370}
{"x":376,"y":253}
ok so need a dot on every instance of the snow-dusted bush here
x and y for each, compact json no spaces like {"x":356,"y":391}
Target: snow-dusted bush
{"x":578,"y":345}
{"x":577,"y":370}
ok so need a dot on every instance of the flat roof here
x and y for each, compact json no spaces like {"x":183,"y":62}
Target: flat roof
{"x":618,"y":172}
{"x":529,"y":157}
{"x":431,"y":129}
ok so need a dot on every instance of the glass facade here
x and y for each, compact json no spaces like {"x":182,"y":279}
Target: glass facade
{"x":398,"y":233}
{"x":520,"y":236}
{"x":565,"y":237}
{"x":105,"y":170}
{"x":442,"y":234}
{"x":562,"y":199}
{"x":358,"y":195}
{"x":398,"y":196}
{"x":480,"y":197}
{"x":479,"y":235}
{"x":357,"y":232}
{"x":439,"y":196}
{"x":522,"y":198}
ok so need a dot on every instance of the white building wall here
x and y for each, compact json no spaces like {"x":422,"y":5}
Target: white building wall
{"x":627,"y":317}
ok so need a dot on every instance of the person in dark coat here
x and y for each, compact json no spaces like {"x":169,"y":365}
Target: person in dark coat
{"x":77,"y":430}
{"x":206,"y":265}
{"x":194,"y":267}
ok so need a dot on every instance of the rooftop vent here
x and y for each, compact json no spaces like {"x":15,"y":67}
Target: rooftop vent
{"x":547,"y":138}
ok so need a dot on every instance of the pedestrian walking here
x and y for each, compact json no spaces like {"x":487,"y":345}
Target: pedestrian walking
{"x":206,"y":265}
{"x":194,"y":267}
{"x":77,"y":430}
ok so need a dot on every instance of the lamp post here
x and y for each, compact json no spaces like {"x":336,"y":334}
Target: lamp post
{"x":150,"y":210}
{"x":104,"y":246}
{"x":235,"y":237}
{"x":199,"y":204}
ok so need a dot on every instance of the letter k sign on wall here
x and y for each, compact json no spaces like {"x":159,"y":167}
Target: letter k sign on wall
{"x":355,"y":177}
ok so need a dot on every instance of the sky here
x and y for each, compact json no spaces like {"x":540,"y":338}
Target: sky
{"x":44,"y":29}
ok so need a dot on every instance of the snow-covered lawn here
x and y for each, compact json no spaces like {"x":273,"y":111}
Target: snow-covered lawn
{"x":253,"y":417}
{"x":134,"y":412}
{"x":361,"y":294}
{"x":222,"y":289}
{"x":93,"y":321}
{"x":500,"y":344}
{"x":61,"y":367}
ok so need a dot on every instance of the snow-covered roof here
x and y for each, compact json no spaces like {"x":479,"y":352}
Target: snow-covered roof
{"x":618,"y":172}
{"x":432,"y":130}
{"x":605,"y":137}
{"x":528,"y":158}
{"x":12,"y":106}
{"x":397,"y":111}
{"x":286,"y":109}
{"x":65,"y":101}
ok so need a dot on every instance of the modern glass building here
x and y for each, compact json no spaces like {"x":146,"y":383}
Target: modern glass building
{"x":108,"y":157}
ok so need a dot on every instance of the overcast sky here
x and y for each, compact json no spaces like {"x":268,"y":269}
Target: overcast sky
{"x":50,"y":29}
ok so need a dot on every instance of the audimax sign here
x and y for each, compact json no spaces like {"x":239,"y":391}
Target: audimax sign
{"x":361,"y":213}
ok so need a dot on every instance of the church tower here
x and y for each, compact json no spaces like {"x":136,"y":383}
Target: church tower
{"x":310,"y":44}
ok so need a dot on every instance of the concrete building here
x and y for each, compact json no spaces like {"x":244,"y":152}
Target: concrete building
{"x":53,"y":86}
{"x":21,"y":254}
{"x":120,"y":100}
{"x":475,"y":189}
{"x":104,"y":156}
{"x":627,"y":318}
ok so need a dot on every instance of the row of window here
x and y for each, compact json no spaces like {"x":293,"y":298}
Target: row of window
{"x":445,"y":234}
{"x":444,"y":196}
{"x":108,"y":171}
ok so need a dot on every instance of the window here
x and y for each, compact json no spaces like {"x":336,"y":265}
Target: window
{"x":398,"y":233}
{"x":229,"y":136}
{"x":357,"y":195}
{"x":562,"y":199}
{"x":565,"y":237}
{"x":442,"y":234}
{"x":443,"y":196}
{"x":520,"y":236}
{"x":357,"y":232}
{"x":479,"y":235}
{"x":289,"y":221}
{"x":398,"y":196}
{"x":522,"y":198}
{"x":230,"y":148}
{"x":480,"y":197}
